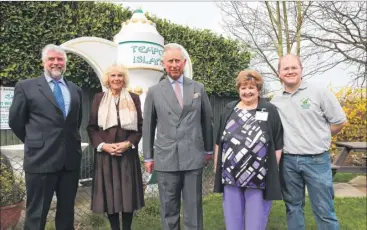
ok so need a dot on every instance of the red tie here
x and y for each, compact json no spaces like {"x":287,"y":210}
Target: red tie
{"x":178,"y":93}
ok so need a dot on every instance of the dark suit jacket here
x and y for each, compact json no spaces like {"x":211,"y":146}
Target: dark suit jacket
{"x":274,"y":129}
{"x":97,"y":135}
{"x":50,"y":141}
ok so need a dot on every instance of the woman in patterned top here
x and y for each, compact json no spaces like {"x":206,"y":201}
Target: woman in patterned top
{"x":247,"y":153}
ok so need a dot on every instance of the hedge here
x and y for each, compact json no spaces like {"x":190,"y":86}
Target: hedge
{"x":26,"y":27}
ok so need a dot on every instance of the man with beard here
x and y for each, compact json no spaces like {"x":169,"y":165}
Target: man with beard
{"x":310,"y":114}
{"x":179,"y":109}
{"x":46,"y":114}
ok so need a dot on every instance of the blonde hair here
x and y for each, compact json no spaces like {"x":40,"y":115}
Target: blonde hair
{"x":249,"y":76}
{"x":116,"y":68}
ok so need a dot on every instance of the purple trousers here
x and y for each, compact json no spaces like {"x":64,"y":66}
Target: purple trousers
{"x":245,"y":208}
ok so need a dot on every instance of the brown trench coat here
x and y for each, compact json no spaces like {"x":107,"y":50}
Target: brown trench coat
{"x":117,"y":183}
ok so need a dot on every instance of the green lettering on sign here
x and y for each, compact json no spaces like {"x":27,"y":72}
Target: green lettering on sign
{"x":147,"y":49}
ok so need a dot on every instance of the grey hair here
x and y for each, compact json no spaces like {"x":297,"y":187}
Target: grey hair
{"x":52,"y":47}
{"x":173,"y":46}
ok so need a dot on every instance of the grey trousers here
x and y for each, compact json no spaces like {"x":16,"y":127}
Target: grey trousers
{"x":171,"y":185}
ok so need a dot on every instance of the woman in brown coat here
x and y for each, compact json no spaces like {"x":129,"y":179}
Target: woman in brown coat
{"x":114,"y":129}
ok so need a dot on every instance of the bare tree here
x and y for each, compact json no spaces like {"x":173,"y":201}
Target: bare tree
{"x":341,"y":34}
{"x":273,"y":29}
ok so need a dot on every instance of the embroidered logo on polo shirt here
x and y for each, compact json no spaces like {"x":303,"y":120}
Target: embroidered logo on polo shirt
{"x":305,"y":103}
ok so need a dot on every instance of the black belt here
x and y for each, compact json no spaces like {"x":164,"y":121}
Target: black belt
{"x":304,"y":155}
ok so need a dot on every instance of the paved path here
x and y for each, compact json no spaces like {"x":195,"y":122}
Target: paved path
{"x":354,"y":188}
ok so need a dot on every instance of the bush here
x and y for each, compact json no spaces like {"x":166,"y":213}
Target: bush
{"x":354,"y":105}
{"x":12,"y":186}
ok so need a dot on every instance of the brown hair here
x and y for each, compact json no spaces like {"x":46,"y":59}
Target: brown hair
{"x":249,"y":76}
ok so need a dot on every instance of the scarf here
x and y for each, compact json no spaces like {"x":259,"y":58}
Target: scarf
{"x":107,"y":114}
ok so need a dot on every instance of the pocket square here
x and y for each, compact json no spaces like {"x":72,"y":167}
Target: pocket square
{"x":196,"y":95}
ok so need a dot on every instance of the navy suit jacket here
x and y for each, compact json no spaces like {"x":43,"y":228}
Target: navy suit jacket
{"x":50,"y":141}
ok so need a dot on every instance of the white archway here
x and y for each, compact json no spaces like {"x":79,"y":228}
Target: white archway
{"x":98,"y":52}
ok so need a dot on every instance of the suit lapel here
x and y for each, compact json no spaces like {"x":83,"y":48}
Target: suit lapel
{"x":170,"y":96}
{"x":45,"y":89}
{"x":188,"y":93}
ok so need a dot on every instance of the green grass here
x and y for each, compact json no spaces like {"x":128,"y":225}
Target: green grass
{"x":89,"y":221}
{"x":351,"y":213}
{"x":345,"y":177}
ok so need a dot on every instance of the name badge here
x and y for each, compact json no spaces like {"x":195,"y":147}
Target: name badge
{"x":261,"y":116}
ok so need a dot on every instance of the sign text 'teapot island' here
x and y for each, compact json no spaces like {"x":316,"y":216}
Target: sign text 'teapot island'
{"x":147,"y":54}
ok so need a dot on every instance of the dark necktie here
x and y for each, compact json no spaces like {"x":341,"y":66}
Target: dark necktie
{"x":58,"y":96}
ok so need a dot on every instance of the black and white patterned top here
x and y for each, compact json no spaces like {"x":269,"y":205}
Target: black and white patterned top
{"x":244,"y":150}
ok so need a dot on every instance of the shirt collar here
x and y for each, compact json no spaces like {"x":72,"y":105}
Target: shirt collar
{"x":303,"y":85}
{"x":180,"y":79}
{"x":49,"y":79}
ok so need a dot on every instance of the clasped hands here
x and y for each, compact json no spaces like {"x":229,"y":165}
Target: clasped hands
{"x":116,"y":149}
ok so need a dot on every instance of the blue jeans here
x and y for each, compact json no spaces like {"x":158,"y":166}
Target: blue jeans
{"x":315,"y":173}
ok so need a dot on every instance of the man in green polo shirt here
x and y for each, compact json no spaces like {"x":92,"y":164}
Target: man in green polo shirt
{"x":310,"y":114}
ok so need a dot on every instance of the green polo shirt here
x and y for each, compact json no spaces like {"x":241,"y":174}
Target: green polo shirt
{"x":306,"y":116}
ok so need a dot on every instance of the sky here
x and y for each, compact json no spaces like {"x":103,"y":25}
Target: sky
{"x":206,"y":15}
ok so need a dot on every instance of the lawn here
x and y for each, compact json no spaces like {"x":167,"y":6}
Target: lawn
{"x":350,"y":211}
{"x":345,"y":177}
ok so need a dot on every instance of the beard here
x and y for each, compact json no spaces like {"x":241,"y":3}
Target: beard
{"x":55,"y":72}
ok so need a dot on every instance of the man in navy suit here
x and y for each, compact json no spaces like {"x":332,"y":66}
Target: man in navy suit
{"x":46,"y":114}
